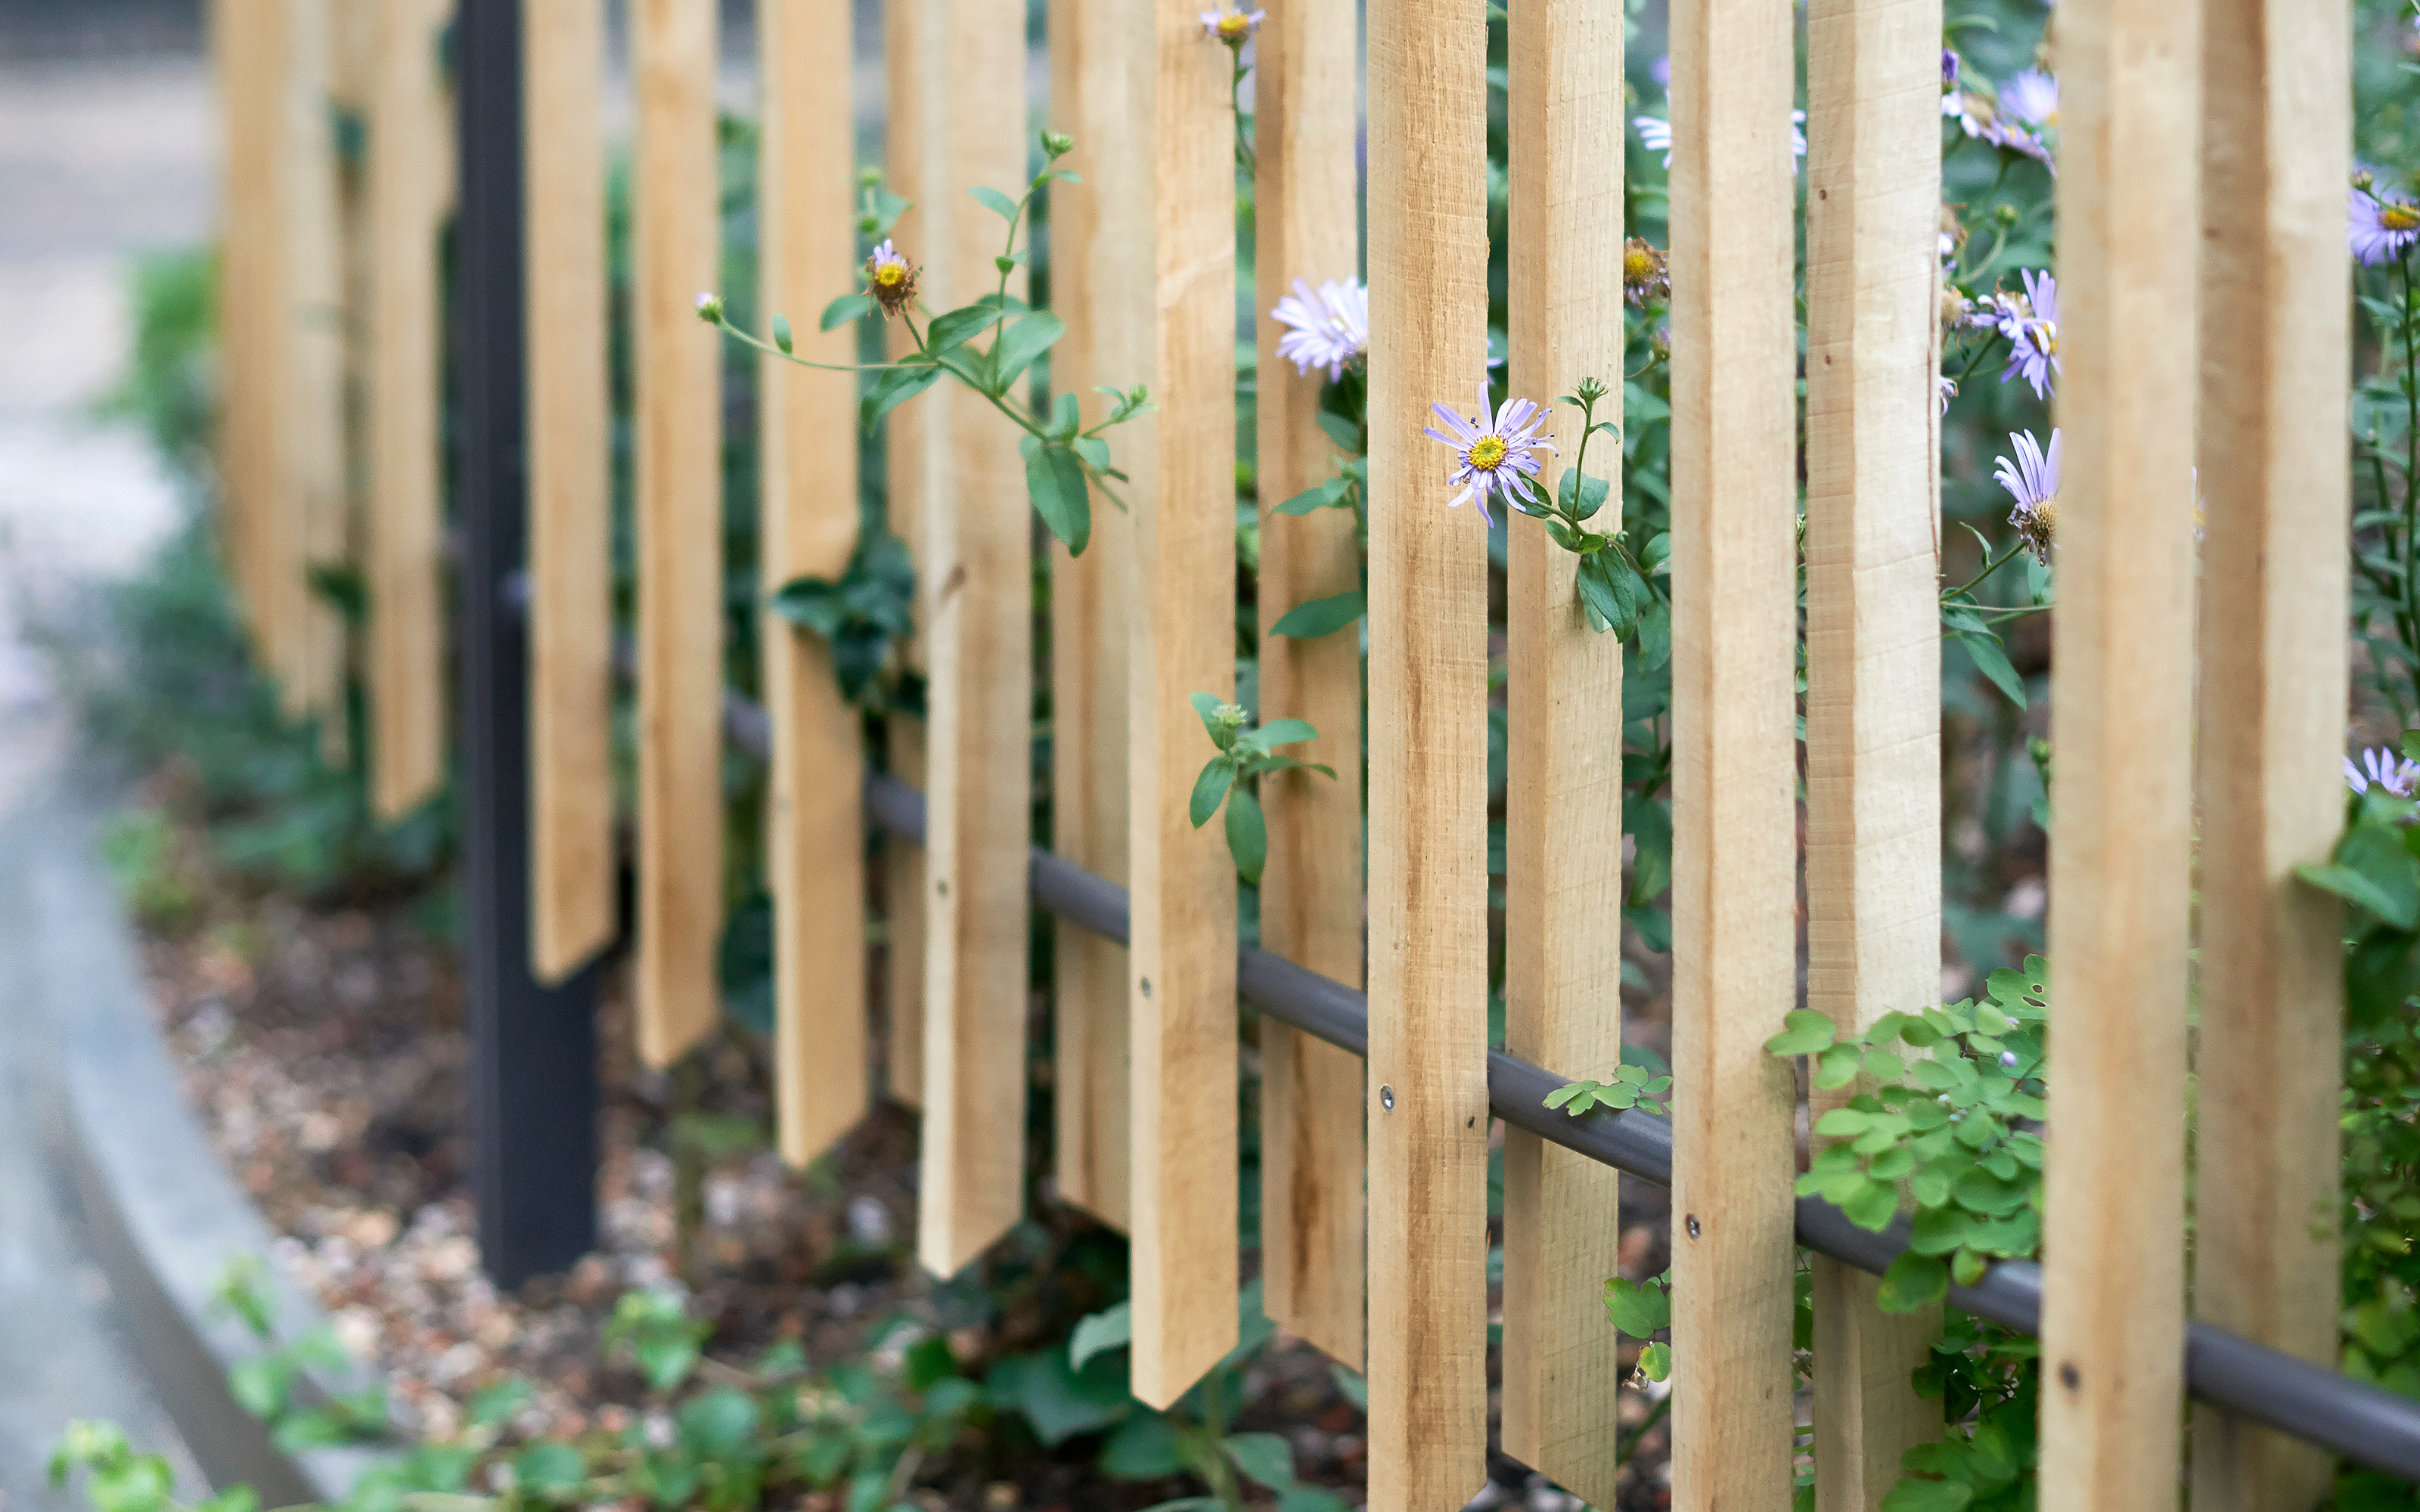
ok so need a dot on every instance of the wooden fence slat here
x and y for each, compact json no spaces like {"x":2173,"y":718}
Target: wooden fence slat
{"x":405,"y":661}
{"x":676,"y":218}
{"x":1874,"y":642}
{"x":2113,"y":1292}
{"x":807,"y":528}
{"x":1101,"y":288}
{"x":2275,"y":88}
{"x":1733,"y":884}
{"x":315,"y":686}
{"x":1564,"y":821}
{"x":572,"y":885}
{"x":1183,"y":1263}
{"x":907,"y":475}
{"x":1428,"y":764}
{"x":1312,"y":1142}
{"x":977,"y":568}
{"x":245,"y":37}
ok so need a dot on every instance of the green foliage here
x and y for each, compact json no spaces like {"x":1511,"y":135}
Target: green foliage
{"x":1632,"y":1086}
{"x":1243,"y":756}
{"x":864,"y":619}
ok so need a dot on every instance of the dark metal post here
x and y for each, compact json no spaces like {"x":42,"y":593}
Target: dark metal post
{"x":533,"y":1048}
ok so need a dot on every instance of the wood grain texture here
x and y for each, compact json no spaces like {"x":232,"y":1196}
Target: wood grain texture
{"x":311,"y":663}
{"x":977,"y":564}
{"x":807,"y":527}
{"x":1428,"y":764}
{"x":2121,"y":707}
{"x":1874,"y":642}
{"x":1100,"y":249}
{"x":675,"y":233}
{"x":406,"y":655}
{"x":573,"y":866}
{"x":1182,"y":629}
{"x":1562,"y":817}
{"x":2276,"y":84}
{"x":1733,"y":810}
{"x":908,"y":477}
{"x":1312,"y":1142}
{"x":246,"y":36}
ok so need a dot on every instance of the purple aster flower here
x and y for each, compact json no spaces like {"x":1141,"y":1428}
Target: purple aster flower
{"x":889,"y":278}
{"x":2033,"y":336}
{"x":2032,"y":480}
{"x":1948,"y":68}
{"x":1232,"y":27}
{"x":1492,"y":458}
{"x":1661,"y":71}
{"x":2031,"y":96}
{"x":2386,"y":223}
{"x":2384,"y":769}
{"x":1945,"y":390}
{"x":1330,"y":328}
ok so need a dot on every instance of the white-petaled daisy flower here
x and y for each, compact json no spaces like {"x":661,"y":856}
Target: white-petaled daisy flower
{"x":2383,"y":769}
{"x":1492,"y":458}
{"x":2386,"y":223}
{"x":1655,"y":135}
{"x":2031,"y":96}
{"x":2033,"y":335}
{"x":1330,"y":328}
{"x":2032,"y":481}
{"x":1232,"y":27}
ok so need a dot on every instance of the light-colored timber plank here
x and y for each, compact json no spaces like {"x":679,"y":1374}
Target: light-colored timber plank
{"x":1100,"y":285}
{"x":1733,"y":806}
{"x":1562,"y":816}
{"x":1182,"y":624}
{"x":977,"y":570}
{"x":807,"y":527}
{"x":908,"y":475}
{"x":2121,"y":708}
{"x":1874,"y":642}
{"x":406,"y":655}
{"x":676,"y":220}
{"x":1428,"y":764}
{"x":1313,"y":1144}
{"x":572,"y":901}
{"x":2275,"y":88}
{"x":246,"y":36}
{"x":314,"y":685}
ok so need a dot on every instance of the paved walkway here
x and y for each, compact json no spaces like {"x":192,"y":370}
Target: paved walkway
{"x":100,"y":159}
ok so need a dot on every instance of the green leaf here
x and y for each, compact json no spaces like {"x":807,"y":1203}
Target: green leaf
{"x":1592,"y":493}
{"x":895,"y":387}
{"x":1210,"y":789}
{"x":1355,"y":1385}
{"x":813,"y":604}
{"x":782,"y":337}
{"x":550,"y":1471}
{"x":500,"y":1403}
{"x":1284,"y":732}
{"x":1317,"y":617}
{"x":1992,"y":662}
{"x":1638,"y":1309}
{"x":1059,"y":1401}
{"x":1913,"y":1495}
{"x":1345,"y":433}
{"x":1873,"y":1206}
{"x":715,"y":1424}
{"x":1142,"y":1448}
{"x":260,"y":1385}
{"x":1655,"y":1362}
{"x":954,"y":328}
{"x":1265,"y":1458}
{"x":1912,"y":1282}
{"x":144,"y":1483}
{"x":1111,"y":1328}
{"x":1837,"y":1065}
{"x":1805,"y":1032}
{"x":1020,"y":344}
{"x":1248,"y":835}
{"x":1054,"y":479}
{"x":998,"y":203}
{"x":839,"y":313}
{"x":1318,"y":496}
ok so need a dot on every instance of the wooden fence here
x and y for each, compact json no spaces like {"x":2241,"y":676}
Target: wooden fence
{"x":1143,"y":272}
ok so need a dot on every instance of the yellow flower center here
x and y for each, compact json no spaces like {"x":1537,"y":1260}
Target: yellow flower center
{"x":1234,"y":26}
{"x":2046,"y":338}
{"x":888,"y":275}
{"x":1486,"y":452}
{"x":1638,"y":266}
{"x":2399,"y":217}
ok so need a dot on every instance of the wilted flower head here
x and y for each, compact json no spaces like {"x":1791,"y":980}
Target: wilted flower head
{"x":2384,"y":768}
{"x":1492,"y":458}
{"x":889,"y":278}
{"x":2033,"y":335}
{"x":1646,"y":272}
{"x":1330,"y":328}
{"x":1232,"y":27}
{"x":1980,"y":118}
{"x":2031,"y":96}
{"x":2032,"y":480}
{"x":2386,"y":223}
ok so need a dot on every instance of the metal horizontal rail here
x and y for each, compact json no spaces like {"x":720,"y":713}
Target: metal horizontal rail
{"x":2367,"y":1425}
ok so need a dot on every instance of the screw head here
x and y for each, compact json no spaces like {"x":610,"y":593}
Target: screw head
{"x":1692,"y":1225}
{"x":1387,"y":1098}
{"x":1146,"y":986}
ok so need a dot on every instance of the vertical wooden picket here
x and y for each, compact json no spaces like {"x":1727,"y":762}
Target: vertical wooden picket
{"x":406,"y":655}
{"x":676,"y":212}
{"x":1564,"y":821}
{"x":1182,"y":621}
{"x":1311,"y":1119}
{"x":572,"y":889}
{"x":909,"y":474}
{"x":1733,"y":883}
{"x":1873,"y":641}
{"x":1101,"y":288}
{"x":1428,"y":763}
{"x":2276,"y":85}
{"x":976,"y":563}
{"x":806,"y":527}
{"x":246,"y":36}
{"x":311,"y":669}
{"x":2112,"y":1294}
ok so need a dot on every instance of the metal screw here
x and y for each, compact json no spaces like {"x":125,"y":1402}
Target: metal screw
{"x":1146,"y":986}
{"x":1692,"y":1225}
{"x":1387,"y":1098}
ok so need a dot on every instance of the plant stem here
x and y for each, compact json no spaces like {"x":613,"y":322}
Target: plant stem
{"x":1990,"y":567}
{"x":1622,"y":1453}
{"x":2410,"y":459}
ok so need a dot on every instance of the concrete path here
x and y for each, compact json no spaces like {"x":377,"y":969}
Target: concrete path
{"x":101,"y":158}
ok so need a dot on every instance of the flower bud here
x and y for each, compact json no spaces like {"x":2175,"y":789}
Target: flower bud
{"x":709,"y":308}
{"x":1058,"y":144}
